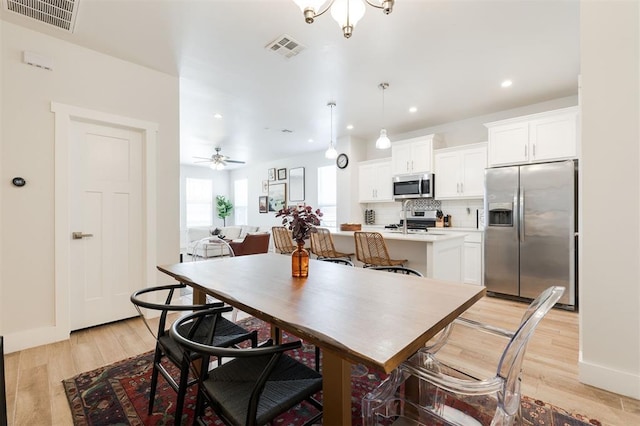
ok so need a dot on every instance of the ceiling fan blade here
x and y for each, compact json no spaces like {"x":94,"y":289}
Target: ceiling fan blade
{"x":203,"y":158}
{"x":203,"y":161}
{"x":234,"y":161}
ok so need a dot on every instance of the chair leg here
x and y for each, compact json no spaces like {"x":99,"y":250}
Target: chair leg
{"x":154,"y":378}
{"x":182,"y":392}
{"x":317,"y":359}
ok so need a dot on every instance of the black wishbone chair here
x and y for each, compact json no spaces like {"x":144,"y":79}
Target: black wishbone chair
{"x":226,"y":332}
{"x":398,"y":270}
{"x":253,"y":388}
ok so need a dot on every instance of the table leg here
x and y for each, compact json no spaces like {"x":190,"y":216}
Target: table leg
{"x":199,"y":297}
{"x":336,"y":387}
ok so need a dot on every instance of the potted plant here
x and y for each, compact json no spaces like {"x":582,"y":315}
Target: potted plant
{"x":301,"y":221}
{"x":224,"y":208}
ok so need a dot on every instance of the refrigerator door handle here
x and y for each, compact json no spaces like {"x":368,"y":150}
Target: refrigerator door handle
{"x":521,"y":215}
{"x":516,"y":214}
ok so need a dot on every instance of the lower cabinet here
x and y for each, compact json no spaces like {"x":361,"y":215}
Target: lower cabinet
{"x":473,"y":255}
{"x":472,"y":262}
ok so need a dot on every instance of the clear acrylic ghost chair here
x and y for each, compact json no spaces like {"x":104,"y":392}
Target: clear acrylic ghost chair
{"x":424,"y":390}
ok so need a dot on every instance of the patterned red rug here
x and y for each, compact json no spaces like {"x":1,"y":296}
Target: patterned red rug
{"x":118,"y":394}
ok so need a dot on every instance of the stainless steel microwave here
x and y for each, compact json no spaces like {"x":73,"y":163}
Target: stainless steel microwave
{"x":413,"y":186}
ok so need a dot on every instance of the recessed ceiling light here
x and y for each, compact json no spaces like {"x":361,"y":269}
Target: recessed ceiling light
{"x":413,"y":109}
{"x":217,"y":115}
{"x":350,"y":127}
{"x":310,"y":141}
{"x":506,"y":83}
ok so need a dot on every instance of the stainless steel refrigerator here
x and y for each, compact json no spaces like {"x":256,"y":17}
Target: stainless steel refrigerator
{"x":531,"y":230}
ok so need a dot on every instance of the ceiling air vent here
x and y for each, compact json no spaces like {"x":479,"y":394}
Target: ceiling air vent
{"x":59,"y":13}
{"x":285,"y":46}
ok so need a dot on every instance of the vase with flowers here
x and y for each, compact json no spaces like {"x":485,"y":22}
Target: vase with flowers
{"x":301,"y":221}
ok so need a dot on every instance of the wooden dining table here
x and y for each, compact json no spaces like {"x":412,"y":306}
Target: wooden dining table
{"x":355,"y":315}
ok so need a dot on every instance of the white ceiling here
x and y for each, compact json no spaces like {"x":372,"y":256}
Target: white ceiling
{"x":447,"y":58}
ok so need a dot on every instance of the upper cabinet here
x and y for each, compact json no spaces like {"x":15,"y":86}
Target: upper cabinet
{"x":374,"y":181}
{"x":459,"y":171}
{"x":534,"y":138}
{"x":413,"y":155}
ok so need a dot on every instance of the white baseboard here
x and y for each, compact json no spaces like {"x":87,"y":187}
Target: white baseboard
{"x":606,"y":378}
{"x":14,"y":342}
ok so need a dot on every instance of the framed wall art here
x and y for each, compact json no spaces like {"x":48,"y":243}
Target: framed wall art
{"x":272,"y":174}
{"x":282,"y":174}
{"x":277,"y":196}
{"x":296,"y":184}
{"x":262,"y":204}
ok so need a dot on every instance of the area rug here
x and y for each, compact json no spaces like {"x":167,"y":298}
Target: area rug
{"x":118,"y":394}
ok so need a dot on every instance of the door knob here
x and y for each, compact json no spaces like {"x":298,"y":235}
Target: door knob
{"x":80,"y":235}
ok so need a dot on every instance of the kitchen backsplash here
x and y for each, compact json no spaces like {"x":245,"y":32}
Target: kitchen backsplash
{"x":463,"y":212}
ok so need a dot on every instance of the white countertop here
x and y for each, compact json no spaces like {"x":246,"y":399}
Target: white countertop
{"x":433,"y":235}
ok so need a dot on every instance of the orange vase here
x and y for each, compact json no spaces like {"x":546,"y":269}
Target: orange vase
{"x":300,"y":262}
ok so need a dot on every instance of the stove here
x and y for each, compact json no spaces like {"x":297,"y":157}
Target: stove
{"x":417,"y":221}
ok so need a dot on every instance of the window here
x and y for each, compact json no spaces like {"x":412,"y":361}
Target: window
{"x":241,"y":199}
{"x":327,"y":195}
{"x":199,"y":195}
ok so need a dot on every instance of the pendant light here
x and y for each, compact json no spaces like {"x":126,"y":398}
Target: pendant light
{"x":383,"y":141}
{"x":331,"y":152}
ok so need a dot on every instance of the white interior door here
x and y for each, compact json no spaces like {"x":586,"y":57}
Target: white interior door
{"x":106,"y":258}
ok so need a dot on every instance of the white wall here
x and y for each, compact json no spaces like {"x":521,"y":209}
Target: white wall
{"x":610,"y":257}
{"x":85,"y":79}
{"x":257,"y":172}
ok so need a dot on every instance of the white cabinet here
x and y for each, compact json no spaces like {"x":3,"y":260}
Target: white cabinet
{"x":472,"y":263}
{"x":473,"y":255}
{"x":374,"y":181}
{"x":459,"y":171}
{"x":413,"y":155}
{"x":534,"y":138}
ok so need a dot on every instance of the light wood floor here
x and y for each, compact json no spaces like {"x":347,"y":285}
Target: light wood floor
{"x":36,"y":396}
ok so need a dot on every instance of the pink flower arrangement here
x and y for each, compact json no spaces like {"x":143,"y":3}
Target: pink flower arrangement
{"x":301,"y":221}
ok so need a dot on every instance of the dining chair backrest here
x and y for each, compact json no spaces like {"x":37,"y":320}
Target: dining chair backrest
{"x":510,"y":364}
{"x":398,"y":270}
{"x":322,"y":245}
{"x":338,"y":260}
{"x":282,"y":240}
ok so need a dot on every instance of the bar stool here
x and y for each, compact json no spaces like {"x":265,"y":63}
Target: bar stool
{"x":371,"y":250}
{"x":322,"y":245}
{"x":282,"y":240}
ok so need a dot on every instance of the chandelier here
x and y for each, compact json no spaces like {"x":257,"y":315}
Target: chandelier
{"x":346,"y":13}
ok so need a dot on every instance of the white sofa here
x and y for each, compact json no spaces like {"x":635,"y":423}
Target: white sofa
{"x":202,"y":243}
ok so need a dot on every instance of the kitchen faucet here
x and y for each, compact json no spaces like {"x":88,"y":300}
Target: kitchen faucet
{"x":405,"y":204}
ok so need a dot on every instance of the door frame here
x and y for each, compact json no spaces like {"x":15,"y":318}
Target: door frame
{"x":65,"y":115}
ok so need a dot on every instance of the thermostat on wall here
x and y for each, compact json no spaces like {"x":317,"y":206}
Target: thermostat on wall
{"x":18,"y":181}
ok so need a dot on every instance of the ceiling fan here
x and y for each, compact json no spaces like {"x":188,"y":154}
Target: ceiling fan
{"x":217,"y":160}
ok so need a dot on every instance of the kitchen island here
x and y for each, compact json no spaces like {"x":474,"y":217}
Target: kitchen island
{"x":436,"y":255}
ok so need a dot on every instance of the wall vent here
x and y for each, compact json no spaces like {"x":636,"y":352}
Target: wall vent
{"x":285,"y":46}
{"x":59,"y":13}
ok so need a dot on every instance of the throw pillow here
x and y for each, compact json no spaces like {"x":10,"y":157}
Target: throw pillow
{"x":215,"y":232}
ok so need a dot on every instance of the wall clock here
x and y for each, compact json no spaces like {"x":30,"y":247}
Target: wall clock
{"x":342,"y":161}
